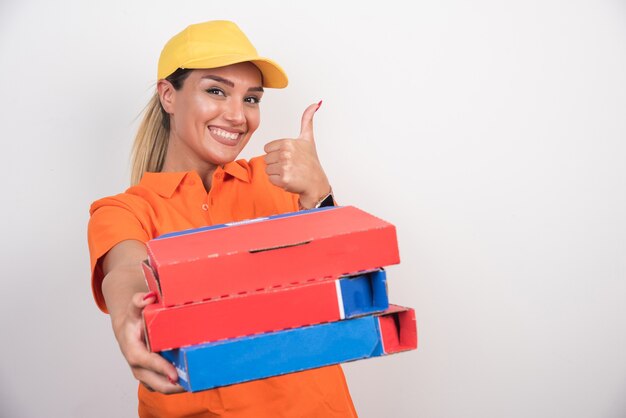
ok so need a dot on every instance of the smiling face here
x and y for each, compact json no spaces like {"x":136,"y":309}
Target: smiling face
{"x":212,"y":116}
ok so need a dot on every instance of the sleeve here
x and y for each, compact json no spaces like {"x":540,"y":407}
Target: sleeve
{"x":113,"y":220}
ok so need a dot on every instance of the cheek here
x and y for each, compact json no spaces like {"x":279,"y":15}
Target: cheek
{"x":253,"y":119}
{"x":203,"y":110}
{"x":194,"y":109}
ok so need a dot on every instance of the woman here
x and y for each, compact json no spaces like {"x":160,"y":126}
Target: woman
{"x":204,"y":112}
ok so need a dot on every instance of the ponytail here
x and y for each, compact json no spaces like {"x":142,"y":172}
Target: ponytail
{"x":150,"y":146}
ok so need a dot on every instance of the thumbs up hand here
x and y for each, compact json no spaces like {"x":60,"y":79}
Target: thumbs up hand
{"x":293,"y":164}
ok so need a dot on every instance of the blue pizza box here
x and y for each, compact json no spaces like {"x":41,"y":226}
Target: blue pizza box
{"x":238,"y":360}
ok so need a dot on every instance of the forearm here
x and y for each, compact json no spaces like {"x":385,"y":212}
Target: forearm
{"x":118,"y":288}
{"x":124,"y":290}
{"x":123,"y":276}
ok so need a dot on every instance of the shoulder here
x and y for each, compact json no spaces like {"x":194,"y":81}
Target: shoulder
{"x":152,"y":191}
{"x":135,"y":208}
{"x":134,"y":199}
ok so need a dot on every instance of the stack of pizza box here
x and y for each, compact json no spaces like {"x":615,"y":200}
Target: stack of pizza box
{"x":269,"y":296}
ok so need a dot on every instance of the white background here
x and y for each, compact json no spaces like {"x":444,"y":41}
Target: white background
{"x":490,"y":133}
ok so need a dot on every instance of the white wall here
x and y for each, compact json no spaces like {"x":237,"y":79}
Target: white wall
{"x":491,"y":133}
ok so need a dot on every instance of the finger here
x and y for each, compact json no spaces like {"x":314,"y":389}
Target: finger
{"x":276,"y":180}
{"x":157,"y":381}
{"x":306,"y":125}
{"x":142,"y":299}
{"x":274,"y":145}
{"x":285,"y":154}
{"x":149,"y":298}
{"x":275,"y":169}
{"x":272,"y":157}
{"x":141,"y":358}
{"x":139,"y":301}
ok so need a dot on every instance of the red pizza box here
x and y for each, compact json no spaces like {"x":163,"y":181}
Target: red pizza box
{"x":309,"y":303}
{"x":266,"y":253}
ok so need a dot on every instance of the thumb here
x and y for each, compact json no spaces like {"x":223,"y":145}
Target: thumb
{"x":306,"y":126}
{"x":141,"y":300}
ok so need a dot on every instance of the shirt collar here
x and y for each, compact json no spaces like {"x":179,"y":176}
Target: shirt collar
{"x":165,"y":184}
{"x":238,"y":169}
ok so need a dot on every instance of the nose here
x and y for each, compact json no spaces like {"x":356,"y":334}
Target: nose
{"x":234,"y":112}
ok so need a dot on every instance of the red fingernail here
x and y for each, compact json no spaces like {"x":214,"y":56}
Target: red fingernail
{"x":171,"y":380}
{"x":318,"y":105}
{"x":149,"y":295}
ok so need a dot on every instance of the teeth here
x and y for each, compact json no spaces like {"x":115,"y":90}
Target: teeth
{"x":222,"y":133}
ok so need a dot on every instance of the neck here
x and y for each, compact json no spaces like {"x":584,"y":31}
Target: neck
{"x":177,"y":161}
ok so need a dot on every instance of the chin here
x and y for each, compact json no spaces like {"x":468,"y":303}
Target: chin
{"x":221,"y":159}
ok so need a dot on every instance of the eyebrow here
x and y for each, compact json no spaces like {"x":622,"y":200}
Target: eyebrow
{"x":230,"y":83}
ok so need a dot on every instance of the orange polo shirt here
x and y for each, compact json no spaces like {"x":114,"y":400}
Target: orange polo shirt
{"x":167,"y":202}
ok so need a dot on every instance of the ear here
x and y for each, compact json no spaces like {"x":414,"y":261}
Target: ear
{"x":167,"y":95}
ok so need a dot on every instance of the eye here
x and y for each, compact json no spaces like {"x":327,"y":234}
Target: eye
{"x":215,"y":91}
{"x":252,"y":100}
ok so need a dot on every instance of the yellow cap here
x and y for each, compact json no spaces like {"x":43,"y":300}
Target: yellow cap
{"x":216,"y":44}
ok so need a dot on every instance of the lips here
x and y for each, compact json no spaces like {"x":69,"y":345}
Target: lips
{"x":224,"y":136}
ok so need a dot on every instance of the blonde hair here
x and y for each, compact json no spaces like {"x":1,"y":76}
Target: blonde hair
{"x":150,"y":146}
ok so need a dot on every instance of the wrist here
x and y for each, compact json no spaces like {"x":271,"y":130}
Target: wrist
{"x":117,"y":323}
{"x":322,"y":200}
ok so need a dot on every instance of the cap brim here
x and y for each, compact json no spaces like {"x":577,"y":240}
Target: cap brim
{"x":273,"y":75}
